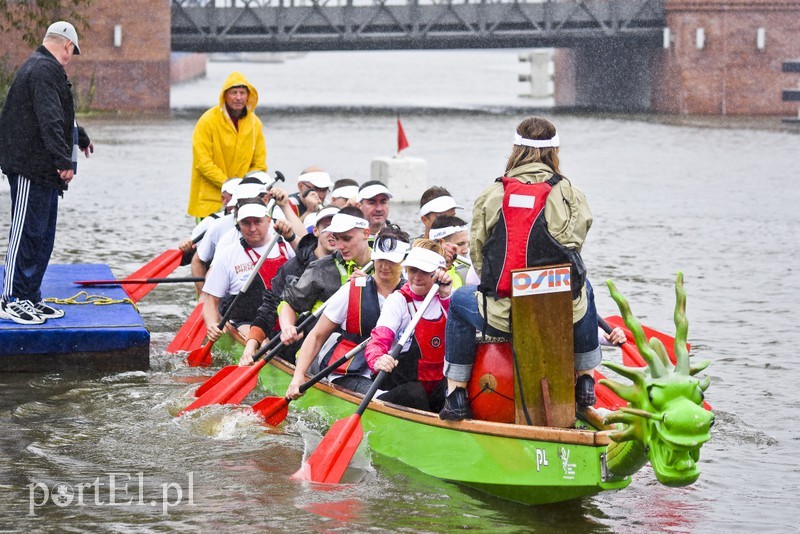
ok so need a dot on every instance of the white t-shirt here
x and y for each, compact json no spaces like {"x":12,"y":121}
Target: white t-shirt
{"x":336,"y":309}
{"x":208,"y":246}
{"x":232,"y":266}
{"x":396,"y":316}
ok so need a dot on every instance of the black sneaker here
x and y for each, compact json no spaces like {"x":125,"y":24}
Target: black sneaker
{"x":456,"y":406}
{"x":584,"y":391}
{"x":46,"y":311}
{"x":20,"y":311}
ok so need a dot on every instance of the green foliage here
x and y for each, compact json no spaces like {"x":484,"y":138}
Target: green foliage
{"x":32,"y":17}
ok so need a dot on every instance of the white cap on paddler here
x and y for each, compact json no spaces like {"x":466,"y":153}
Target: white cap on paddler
{"x":261,"y":176}
{"x":346,"y":192}
{"x":66,"y":30}
{"x":249,"y":187}
{"x":392,"y":250}
{"x":229,"y":186}
{"x":343,"y":222}
{"x":372,"y":191}
{"x":424,"y":260}
{"x":319,"y":179}
{"x":313,"y":218}
{"x":255,"y":209}
{"x":439,"y":205}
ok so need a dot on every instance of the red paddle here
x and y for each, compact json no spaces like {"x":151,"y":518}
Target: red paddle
{"x":274,"y":409}
{"x":333,"y":454}
{"x":202,"y":355}
{"x":191,"y":334}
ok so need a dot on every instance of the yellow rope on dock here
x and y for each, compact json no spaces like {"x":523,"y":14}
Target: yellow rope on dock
{"x":97,"y":300}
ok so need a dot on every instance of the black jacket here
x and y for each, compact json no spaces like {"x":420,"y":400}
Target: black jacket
{"x":37,"y":121}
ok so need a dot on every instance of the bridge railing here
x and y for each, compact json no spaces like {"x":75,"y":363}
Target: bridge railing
{"x":281,"y":25}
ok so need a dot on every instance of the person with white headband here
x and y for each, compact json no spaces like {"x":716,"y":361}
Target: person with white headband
{"x":373,"y":199}
{"x":416,"y":378}
{"x":344,"y":193}
{"x":509,"y":232}
{"x":354,"y":310}
{"x":434,"y":202}
{"x":312,"y":188}
{"x":452,"y":233}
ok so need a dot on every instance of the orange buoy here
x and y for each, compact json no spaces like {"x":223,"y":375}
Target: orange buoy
{"x":491,"y":387}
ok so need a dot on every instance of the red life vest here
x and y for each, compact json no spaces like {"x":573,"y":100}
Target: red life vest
{"x":424,"y":361}
{"x":363,"y":310}
{"x":521,"y":239}
{"x":270,"y":266}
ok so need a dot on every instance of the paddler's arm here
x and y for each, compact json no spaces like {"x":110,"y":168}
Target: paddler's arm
{"x":211,"y":315}
{"x":308,"y":352}
{"x":298,"y":229}
{"x":199,"y":269}
{"x":287,"y":318}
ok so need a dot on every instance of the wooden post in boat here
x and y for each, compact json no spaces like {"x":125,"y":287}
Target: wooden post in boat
{"x":541,"y":319}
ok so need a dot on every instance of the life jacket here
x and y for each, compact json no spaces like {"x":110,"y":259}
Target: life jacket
{"x":424,"y":361}
{"x":521,"y":239}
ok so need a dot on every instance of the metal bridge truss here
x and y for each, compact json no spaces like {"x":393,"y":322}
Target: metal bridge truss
{"x":301,"y":25}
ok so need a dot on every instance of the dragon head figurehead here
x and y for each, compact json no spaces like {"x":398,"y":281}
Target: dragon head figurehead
{"x":665,"y":410}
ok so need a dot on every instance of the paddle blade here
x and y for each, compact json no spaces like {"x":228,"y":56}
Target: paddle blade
{"x":605,"y":397}
{"x":159,"y":267}
{"x":273,"y":410}
{"x":231,"y":389}
{"x":333,"y":454}
{"x":200,"y":357}
{"x":214,"y":380}
{"x":187,"y":337}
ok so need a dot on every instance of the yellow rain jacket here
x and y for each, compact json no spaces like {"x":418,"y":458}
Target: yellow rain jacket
{"x":220,"y":151}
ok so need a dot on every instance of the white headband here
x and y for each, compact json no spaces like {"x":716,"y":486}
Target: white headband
{"x":441,"y":233}
{"x":372,"y":191}
{"x":439,"y":205}
{"x":536,"y":143}
{"x":347,"y":191}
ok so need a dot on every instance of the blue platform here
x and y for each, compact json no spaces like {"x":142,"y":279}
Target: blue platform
{"x":107,"y":337}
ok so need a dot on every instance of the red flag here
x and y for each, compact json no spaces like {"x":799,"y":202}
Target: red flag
{"x":402,"y":142}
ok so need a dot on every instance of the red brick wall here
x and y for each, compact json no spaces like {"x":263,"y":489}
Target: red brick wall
{"x":729,"y":76}
{"x":133,"y":77}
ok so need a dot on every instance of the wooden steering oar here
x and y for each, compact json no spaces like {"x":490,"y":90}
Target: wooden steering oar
{"x":202,"y":356}
{"x":333,"y":454}
{"x":274,"y":409}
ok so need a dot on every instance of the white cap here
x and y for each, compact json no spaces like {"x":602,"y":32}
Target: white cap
{"x":439,"y":205}
{"x":67,"y":30}
{"x":348,"y":191}
{"x":261,"y":176}
{"x":317,"y":178}
{"x":344,"y":223}
{"x":372,"y":191}
{"x":424,"y":259}
{"x":229,"y":186}
{"x":441,"y":233}
{"x":246,"y":190}
{"x":394,"y":255}
{"x":330,"y":211}
{"x":252,"y":210}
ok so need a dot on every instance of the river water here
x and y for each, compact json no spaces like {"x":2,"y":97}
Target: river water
{"x":715,"y":200}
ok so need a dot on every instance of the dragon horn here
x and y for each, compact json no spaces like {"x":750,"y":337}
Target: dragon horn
{"x":625,"y":392}
{"x":704,"y":383}
{"x":628,"y":434}
{"x":641,"y":413}
{"x":696,"y":368}
{"x":618,"y":417}
{"x":657,"y":369}
{"x":661,"y":351}
{"x":681,"y":328}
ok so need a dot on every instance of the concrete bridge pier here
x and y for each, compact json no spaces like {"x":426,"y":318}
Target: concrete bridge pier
{"x":614,"y":75}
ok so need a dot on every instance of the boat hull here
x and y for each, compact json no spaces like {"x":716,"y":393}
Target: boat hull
{"x":530,"y":465}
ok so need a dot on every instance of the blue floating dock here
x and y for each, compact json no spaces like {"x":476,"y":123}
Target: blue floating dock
{"x":100,"y":337}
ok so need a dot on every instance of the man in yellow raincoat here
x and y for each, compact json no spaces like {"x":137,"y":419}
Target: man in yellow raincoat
{"x":228,"y":142}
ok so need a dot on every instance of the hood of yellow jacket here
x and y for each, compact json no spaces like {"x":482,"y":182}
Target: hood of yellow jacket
{"x":234,"y":79}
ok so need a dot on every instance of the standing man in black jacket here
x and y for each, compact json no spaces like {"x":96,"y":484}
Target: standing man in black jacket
{"x":39,"y":141}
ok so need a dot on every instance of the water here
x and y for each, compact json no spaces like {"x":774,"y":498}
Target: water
{"x":716,"y":202}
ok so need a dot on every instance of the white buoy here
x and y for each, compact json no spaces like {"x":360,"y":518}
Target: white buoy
{"x":405,"y":177}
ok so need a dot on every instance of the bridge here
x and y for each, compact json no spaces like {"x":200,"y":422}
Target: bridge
{"x":322,"y":25}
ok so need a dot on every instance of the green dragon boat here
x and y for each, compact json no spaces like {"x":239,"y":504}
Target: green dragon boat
{"x":664,"y":424}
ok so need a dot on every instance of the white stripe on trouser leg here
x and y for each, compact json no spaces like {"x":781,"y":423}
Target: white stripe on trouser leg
{"x":17,"y":225}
